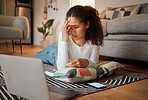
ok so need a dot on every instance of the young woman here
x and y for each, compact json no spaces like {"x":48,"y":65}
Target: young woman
{"x":79,"y":41}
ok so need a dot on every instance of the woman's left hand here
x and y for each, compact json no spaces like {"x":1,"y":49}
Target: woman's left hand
{"x":79,"y":62}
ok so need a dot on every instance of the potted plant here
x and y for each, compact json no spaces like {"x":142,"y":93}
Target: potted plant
{"x":45,"y":31}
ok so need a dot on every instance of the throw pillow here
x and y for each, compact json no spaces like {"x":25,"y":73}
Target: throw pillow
{"x":103,"y":13}
{"x":122,"y":12}
{"x":72,"y":74}
{"x":108,"y":68}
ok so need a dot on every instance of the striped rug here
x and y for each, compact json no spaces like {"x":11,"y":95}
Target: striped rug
{"x":120,"y":78}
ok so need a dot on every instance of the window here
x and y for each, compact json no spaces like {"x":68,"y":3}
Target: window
{"x":82,"y":2}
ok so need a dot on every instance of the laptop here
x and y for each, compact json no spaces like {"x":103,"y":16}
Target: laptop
{"x":25,"y":77}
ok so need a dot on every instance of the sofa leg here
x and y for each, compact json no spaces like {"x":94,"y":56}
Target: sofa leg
{"x":21,"y":46}
{"x":13,"y":45}
{"x":6,"y":44}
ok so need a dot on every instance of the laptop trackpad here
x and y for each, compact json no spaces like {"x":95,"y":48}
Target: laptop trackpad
{"x":60,"y":93}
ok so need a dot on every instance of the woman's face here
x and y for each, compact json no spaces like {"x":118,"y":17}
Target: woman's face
{"x":78,"y":29}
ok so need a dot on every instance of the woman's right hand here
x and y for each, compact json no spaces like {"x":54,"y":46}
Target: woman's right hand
{"x":65,"y":31}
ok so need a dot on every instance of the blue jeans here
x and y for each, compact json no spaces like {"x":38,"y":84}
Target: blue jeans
{"x":48,"y":54}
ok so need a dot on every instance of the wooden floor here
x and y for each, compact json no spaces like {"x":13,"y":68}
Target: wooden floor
{"x":26,"y":48}
{"x":134,"y":91}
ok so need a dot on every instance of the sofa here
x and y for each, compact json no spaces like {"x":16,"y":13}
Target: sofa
{"x":125,"y":32}
{"x":14,"y":28}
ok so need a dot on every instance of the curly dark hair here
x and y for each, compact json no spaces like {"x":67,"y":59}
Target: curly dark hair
{"x":87,"y":13}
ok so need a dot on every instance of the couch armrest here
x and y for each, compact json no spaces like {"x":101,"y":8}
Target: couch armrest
{"x":104,"y":26}
{"x":22,"y":22}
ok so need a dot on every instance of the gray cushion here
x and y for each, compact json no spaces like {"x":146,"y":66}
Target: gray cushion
{"x":127,"y":37}
{"x":129,"y":24}
{"x":11,"y":33}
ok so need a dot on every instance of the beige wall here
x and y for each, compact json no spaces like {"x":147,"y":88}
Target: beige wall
{"x":59,"y":16}
{"x":63,"y":6}
{"x":37,"y":19}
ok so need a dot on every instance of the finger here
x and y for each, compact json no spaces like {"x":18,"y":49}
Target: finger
{"x":75,"y":65}
{"x":68,"y":64}
{"x":66,"y":24}
{"x":74,"y":61}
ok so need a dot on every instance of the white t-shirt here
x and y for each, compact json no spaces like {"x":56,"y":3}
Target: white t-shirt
{"x":69,"y":51}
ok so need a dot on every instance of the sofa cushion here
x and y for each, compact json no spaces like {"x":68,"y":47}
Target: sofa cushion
{"x":122,"y":12}
{"x":129,"y":24}
{"x":11,"y":33}
{"x":127,"y":37}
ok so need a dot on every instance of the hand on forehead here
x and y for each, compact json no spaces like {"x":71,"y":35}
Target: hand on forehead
{"x":73,"y":21}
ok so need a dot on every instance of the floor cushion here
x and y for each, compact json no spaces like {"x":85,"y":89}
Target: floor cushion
{"x":74,"y":74}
